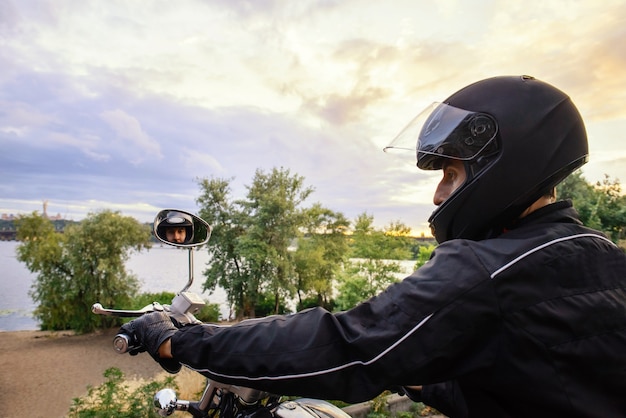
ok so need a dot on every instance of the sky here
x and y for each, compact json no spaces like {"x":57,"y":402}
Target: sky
{"x":126,"y":105}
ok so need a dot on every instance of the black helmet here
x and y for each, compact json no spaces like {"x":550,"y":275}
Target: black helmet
{"x":175,"y":219}
{"x":518,"y":136}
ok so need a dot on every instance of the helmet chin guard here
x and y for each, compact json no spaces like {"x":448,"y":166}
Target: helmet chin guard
{"x":518,"y":136}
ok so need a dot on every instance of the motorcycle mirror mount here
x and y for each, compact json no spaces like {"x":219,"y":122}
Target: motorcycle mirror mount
{"x":182,"y":229}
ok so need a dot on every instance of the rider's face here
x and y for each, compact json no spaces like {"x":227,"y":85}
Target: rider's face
{"x":453,"y":177}
{"x":176,"y":234}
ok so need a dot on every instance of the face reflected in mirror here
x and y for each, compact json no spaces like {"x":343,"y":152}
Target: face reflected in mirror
{"x":180,"y":228}
{"x":176,"y":234}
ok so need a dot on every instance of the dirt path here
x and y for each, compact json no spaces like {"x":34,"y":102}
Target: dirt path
{"x":41,"y":372}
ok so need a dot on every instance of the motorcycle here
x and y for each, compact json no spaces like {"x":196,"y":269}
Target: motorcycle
{"x":185,"y":230}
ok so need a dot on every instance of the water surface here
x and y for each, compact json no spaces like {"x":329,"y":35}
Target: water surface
{"x":158,"y":269}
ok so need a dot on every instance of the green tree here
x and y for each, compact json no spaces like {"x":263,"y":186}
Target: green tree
{"x":583,"y":196}
{"x":601,"y":206}
{"x":85,"y":264}
{"x":372,"y":268}
{"x":392,"y":242}
{"x":423,"y":254}
{"x":273,"y":217}
{"x":252,"y":251}
{"x":397,"y":241}
{"x":227,"y":268}
{"x":364,"y":236}
{"x":320,"y":256}
{"x":610,"y":208}
{"x":364,"y":279}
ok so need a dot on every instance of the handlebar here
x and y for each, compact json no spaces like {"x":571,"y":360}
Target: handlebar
{"x":179,"y":311}
{"x":122,"y":344}
{"x":166,"y":401}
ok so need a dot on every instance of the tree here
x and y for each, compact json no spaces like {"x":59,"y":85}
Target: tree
{"x":273,"y":217}
{"x":601,"y":206}
{"x":252,"y":242}
{"x":583,"y":196}
{"x":227,"y":268}
{"x":372,"y":270}
{"x":85,"y":264}
{"x":610,"y":208}
{"x":363,"y":237}
{"x":424,"y":253}
{"x":392,"y":243}
{"x":320,"y":256}
{"x":364,"y":279}
{"x":397,"y":241}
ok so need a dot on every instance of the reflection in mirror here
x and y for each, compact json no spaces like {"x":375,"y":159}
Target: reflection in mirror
{"x":180,"y":228}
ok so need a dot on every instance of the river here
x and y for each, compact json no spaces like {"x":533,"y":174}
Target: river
{"x":159,"y":269}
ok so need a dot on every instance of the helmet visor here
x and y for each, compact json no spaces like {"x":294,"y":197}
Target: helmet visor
{"x":443,"y":131}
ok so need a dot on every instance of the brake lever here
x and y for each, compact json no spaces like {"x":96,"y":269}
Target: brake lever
{"x":98,"y":309}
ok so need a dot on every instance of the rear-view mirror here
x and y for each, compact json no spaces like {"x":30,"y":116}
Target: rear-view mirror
{"x":181,"y":229}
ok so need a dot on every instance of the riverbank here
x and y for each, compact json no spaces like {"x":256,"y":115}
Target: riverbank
{"x":41,"y":372}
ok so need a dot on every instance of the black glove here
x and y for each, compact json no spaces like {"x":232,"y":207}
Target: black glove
{"x":150,"y":331}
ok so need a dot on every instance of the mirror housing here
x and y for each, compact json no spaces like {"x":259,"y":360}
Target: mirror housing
{"x":181,"y":229}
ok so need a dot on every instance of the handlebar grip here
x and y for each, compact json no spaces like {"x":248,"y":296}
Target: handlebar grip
{"x":122,"y":344}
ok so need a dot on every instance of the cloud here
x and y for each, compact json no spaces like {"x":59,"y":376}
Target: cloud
{"x":196,"y":161}
{"x":21,"y":117}
{"x":128,"y":103}
{"x":135,"y":145}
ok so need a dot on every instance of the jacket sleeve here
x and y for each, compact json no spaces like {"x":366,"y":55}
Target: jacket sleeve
{"x":422,"y":330}
{"x":445,"y":397}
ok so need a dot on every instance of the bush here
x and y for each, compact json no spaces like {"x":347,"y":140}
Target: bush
{"x":266,"y":306}
{"x":209,"y":312}
{"x":164,"y":298}
{"x":115,"y":398}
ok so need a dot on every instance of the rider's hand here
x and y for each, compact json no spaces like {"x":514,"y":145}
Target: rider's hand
{"x":150,"y":331}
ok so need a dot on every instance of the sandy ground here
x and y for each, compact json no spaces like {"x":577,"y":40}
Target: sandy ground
{"x":41,"y":372}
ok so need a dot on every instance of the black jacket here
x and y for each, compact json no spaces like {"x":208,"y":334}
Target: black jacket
{"x":531,"y":323}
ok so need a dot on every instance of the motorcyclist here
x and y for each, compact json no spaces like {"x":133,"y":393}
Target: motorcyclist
{"x":175,"y":227}
{"x":519,"y":312}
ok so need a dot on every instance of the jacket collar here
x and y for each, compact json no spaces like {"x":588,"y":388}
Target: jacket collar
{"x":562,"y":211}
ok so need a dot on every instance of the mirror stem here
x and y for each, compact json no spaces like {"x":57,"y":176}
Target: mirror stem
{"x":190,"y":282}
